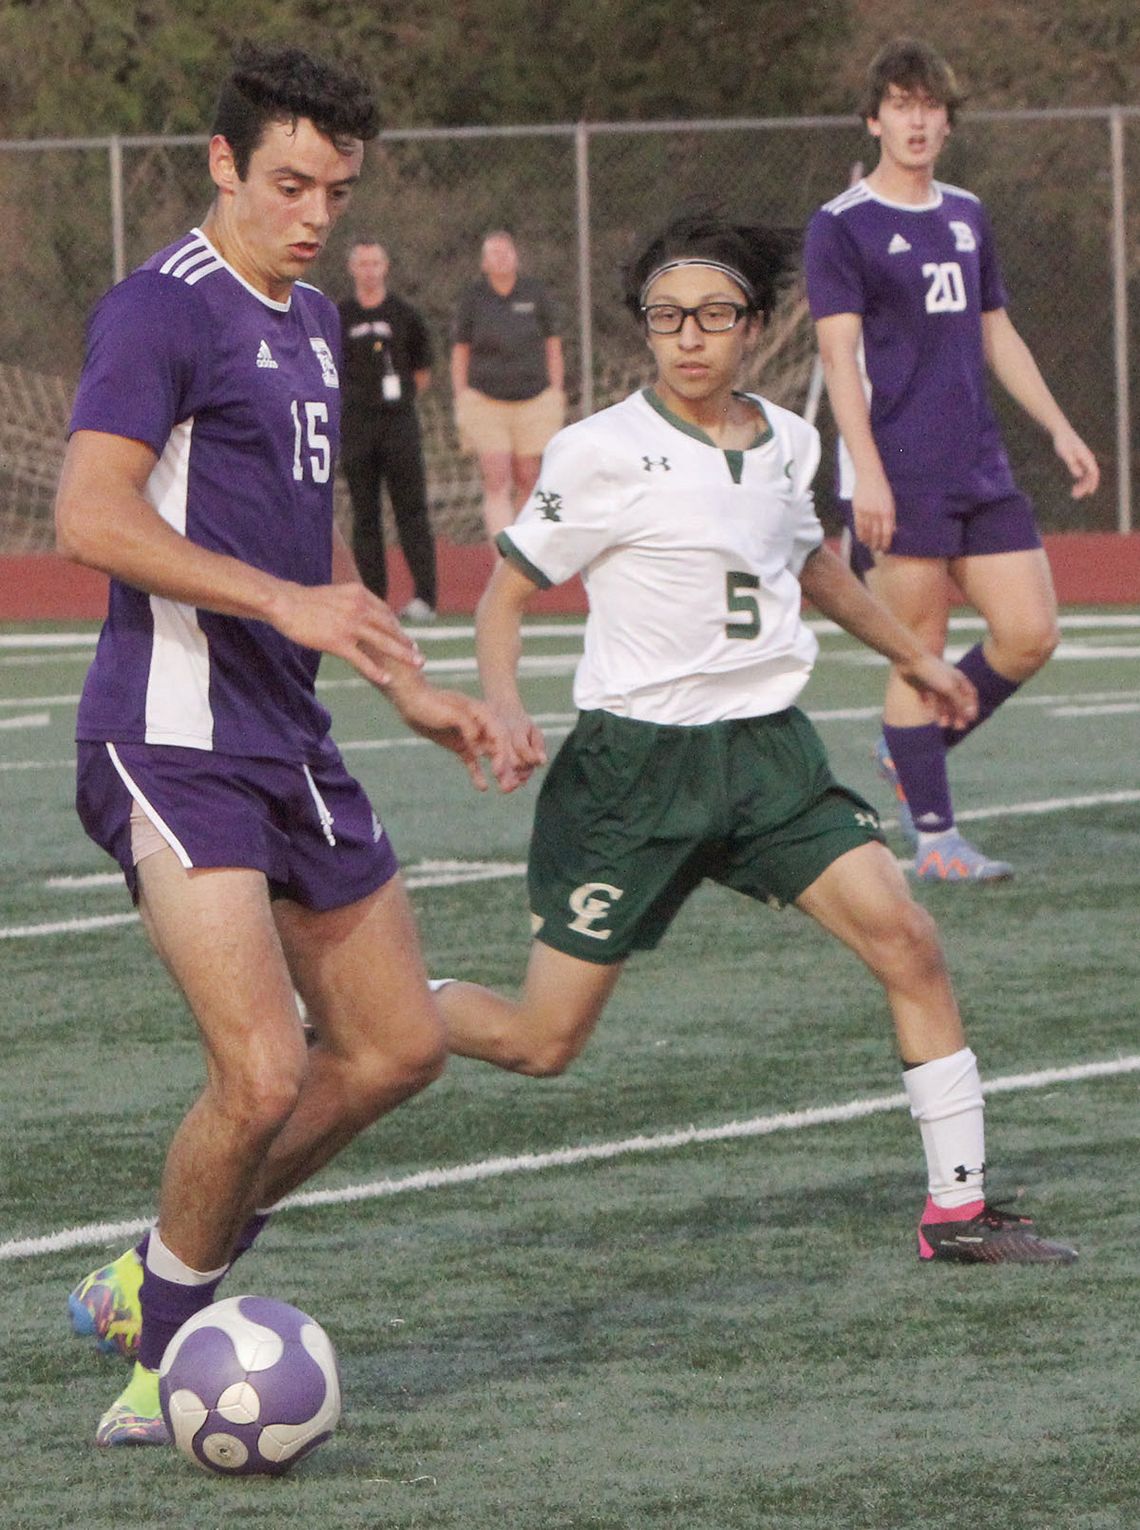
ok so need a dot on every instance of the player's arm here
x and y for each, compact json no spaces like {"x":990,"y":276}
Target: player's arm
{"x":498,"y":647}
{"x":835,"y":592}
{"x":1012,"y":363}
{"x":105,"y":521}
{"x":872,"y":502}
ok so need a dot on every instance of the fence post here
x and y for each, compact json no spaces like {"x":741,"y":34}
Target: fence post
{"x":1120,"y":323}
{"x":585,"y":294}
{"x":118,"y":237}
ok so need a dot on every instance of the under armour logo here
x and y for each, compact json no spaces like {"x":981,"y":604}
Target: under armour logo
{"x":655,"y":462}
{"x":962,"y":1174}
{"x":550,"y":505}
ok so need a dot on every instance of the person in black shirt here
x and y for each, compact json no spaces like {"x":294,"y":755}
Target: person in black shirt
{"x":387,"y":365}
{"x":507,"y":376}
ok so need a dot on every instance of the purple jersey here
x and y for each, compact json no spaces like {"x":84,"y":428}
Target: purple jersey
{"x":238,"y":395}
{"x":921,"y":278}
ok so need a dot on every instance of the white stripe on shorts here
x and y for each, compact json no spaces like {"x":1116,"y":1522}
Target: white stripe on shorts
{"x":152,"y":814}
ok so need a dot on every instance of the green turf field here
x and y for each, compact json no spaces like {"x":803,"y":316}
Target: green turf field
{"x":604,"y":1312}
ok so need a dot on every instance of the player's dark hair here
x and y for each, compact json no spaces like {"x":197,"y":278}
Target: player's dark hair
{"x":910,"y":64}
{"x":765,"y":257}
{"x":283,"y":85}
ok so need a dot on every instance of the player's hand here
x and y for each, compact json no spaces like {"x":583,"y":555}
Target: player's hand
{"x":946,"y":690}
{"x":1081,"y":463}
{"x":467,"y":727}
{"x":349,"y":621}
{"x":528,"y":747}
{"x":873,"y":506}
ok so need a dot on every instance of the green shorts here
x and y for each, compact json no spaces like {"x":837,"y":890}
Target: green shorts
{"x":632,"y":816}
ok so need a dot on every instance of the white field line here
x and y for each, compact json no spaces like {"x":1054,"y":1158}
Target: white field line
{"x":25,"y":720}
{"x":1077,"y":621}
{"x":453,"y":873}
{"x":94,"y":1234}
{"x":1103,"y":709}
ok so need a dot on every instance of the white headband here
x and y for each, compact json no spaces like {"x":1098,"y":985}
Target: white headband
{"x":696,"y":260}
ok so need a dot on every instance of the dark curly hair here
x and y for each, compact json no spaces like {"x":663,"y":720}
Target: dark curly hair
{"x":282,"y":85}
{"x":910,"y":64}
{"x":765,"y":257}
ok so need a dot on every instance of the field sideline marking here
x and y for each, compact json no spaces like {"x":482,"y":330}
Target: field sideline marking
{"x":92,"y":1234}
{"x":454,"y":873}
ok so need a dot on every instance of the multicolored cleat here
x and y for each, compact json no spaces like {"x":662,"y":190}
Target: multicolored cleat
{"x":135,"y":1417}
{"x":105,"y":1306}
{"x":988,"y":1236}
{"x":886,"y":768}
{"x":954,"y":859}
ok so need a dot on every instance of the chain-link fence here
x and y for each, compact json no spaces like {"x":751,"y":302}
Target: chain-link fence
{"x":80,"y":213}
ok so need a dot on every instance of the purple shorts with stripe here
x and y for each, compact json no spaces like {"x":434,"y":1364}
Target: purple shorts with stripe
{"x":309,"y":827}
{"x":946,"y":526}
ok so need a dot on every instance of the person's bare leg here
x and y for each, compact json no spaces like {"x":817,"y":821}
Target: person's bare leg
{"x":862,"y":898}
{"x":498,"y":509}
{"x":379,"y":1035}
{"x":543,"y":1031}
{"x":1014,"y":593}
{"x":524,"y":476}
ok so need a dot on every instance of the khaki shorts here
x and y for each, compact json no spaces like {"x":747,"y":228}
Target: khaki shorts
{"x":489,"y":425}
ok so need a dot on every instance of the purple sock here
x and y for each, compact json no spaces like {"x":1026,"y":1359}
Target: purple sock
{"x":166,"y":1305}
{"x":992,"y":690}
{"x":250,"y":1234}
{"x":919,"y":755}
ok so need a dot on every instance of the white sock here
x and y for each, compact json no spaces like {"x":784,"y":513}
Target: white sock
{"x":946,"y":1100}
{"x":168,"y":1266}
{"x":435,"y":984}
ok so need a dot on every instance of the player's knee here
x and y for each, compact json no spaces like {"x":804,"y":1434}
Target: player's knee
{"x":379,"y":1074}
{"x":548,"y":1056}
{"x":259,"y":1099}
{"x":909,"y":944}
{"x":1029,"y":650}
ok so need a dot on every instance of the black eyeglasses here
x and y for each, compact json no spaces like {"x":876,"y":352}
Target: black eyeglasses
{"x":712,"y":318}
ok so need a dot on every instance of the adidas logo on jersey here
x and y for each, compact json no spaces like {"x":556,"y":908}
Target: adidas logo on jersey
{"x":898,"y":245}
{"x":265,"y":356}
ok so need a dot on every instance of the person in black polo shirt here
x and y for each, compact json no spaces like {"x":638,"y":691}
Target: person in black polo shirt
{"x":387,"y":365}
{"x":506,"y":372}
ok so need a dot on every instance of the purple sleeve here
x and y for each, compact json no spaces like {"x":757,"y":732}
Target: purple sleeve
{"x":146,"y":364}
{"x":832,"y":268}
{"x":993,"y":293}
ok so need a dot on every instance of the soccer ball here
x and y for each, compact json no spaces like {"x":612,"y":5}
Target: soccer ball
{"x":249,"y":1385}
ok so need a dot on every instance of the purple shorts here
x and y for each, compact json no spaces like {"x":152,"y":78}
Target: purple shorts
{"x":309,"y":827}
{"x":946,"y":526}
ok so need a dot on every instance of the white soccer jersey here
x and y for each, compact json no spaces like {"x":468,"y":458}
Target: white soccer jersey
{"x":690,"y":556}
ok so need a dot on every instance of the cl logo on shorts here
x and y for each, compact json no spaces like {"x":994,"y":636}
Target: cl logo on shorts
{"x":589,"y":908}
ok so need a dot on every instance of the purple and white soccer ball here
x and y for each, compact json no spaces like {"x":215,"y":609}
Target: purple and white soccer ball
{"x":249,"y":1385}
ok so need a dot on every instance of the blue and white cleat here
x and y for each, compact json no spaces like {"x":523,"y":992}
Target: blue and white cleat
{"x":105,"y":1306}
{"x":886,"y":768}
{"x":950,"y":858}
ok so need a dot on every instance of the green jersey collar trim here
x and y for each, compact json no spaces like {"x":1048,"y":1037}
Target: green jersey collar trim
{"x":763,"y":435}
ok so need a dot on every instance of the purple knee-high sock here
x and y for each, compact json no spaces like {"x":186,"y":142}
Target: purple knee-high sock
{"x":919,"y":756}
{"x":166,"y":1305}
{"x":993,"y":689}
